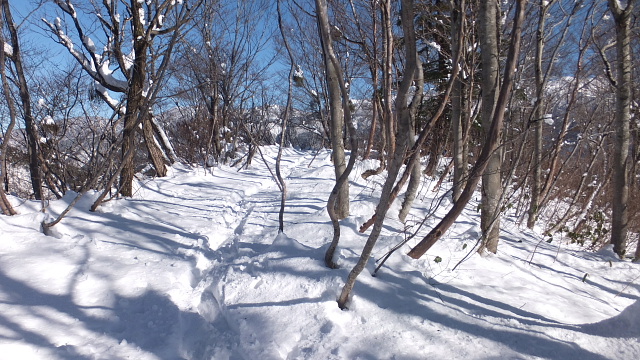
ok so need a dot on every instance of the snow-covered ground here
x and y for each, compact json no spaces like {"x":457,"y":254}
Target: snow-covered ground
{"x":192,"y":267}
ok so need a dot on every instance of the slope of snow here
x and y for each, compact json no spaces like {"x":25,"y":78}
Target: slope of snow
{"x":193,"y":267}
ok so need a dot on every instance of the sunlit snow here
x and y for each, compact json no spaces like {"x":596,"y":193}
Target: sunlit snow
{"x":193,"y":267}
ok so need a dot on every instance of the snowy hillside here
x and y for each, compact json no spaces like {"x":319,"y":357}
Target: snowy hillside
{"x":192,"y":267}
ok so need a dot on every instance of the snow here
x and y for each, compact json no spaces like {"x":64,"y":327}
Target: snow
{"x":141,"y":15}
{"x":8,"y":49}
{"x":107,"y":74}
{"x":66,"y":7}
{"x":193,"y":267}
{"x":48,"y":120}
{"x":91,"y":46}
{"x":113,"y":103}
{"x":434,"y":45}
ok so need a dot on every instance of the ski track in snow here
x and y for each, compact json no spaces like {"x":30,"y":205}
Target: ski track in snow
{"x":193,"y":267}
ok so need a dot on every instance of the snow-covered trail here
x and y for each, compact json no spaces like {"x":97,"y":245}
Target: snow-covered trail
{"x":193,"y":267}
{"x":127,"y":281}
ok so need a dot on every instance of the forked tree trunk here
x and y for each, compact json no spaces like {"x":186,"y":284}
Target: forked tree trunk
{"x":414,"y":153}
{"x":402,"y":145}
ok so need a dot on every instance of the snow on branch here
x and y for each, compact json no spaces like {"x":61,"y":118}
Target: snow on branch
{"x":8,"y":50}
{"x":94,"y":64}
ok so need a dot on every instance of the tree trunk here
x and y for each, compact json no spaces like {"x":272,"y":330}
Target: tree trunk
{"x":620,"y":215}
{"x":133,"y":112}
{"x":457,"y":105}
{"x":342,"y":180}
{"x":539,"y":113}
{"x":5,"y":205}
{"x":495,"y":134}
{"x":491,"y":180}
{"x":416,"y":173}
{"x":25,"y":98}
{"x":285,"y":120}
{"x":387,"y":78}
{"x":158,"y":158}
{"x":402,"y":145}
{"x":161,"y":135}
{"x":335,"y":108}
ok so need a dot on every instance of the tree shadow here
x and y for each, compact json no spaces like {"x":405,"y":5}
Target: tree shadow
{"x":472,"y":310}
{"x":150,"y":322}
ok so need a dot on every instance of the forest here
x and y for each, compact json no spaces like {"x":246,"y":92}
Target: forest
{"x":209,"y":82}
{"x":522,"y":112}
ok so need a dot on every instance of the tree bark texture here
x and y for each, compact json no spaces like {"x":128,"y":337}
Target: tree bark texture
{"x":538,"y":115}
{"x":342,"y":180}
{"x":416,"y":173}
{"x":620,"y":214}
{"x":134,"y":101}
{"x":491,"y":179}
{"x":25,"y":99}
{"x":457,"y":104}
{"x":336,"y":113}
{"x":5,"y":205}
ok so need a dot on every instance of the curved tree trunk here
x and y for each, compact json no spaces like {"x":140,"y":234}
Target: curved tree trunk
{"x":336,"y":110}
{"x":402,"y":145}
{"x":342,"y":180}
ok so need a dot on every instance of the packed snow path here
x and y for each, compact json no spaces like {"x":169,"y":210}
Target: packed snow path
{"x":193,"y":267}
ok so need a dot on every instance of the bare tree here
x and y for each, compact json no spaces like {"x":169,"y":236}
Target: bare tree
{"x":538,"y":115}
{"x":285,"y":118}
{"x":25,"y":102}
{"x":219,"y":67}
{"x":490,"y":145}
{"x":152,"y":27}
{"x":401,"y":146}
